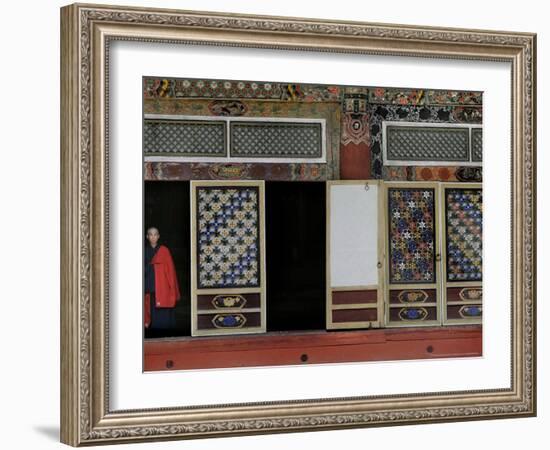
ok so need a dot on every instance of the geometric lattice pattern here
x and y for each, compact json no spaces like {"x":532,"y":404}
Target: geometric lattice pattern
{"x":228,"y":237}
{"x":276,"y":140}
{"x":464,"y":234}
{"x":477,"y":144}
{"x":411,"y":235}
{"x":184,"y":137}
{"x":427,"y":143}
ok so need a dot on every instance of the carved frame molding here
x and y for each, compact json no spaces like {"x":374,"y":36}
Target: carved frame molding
{"x":86,"y":31}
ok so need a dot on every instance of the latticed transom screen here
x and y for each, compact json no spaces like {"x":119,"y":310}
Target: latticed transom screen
{"x":276,"y":139}
{"x":184,"y":137}
{"x":477,"y":144}
{"x":432,"y":144}
{"x":233,"y":138}
{"x":437,"y":144}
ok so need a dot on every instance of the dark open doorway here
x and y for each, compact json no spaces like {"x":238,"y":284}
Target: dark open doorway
{"x":167,"y":207}
{"x":295,"y":255}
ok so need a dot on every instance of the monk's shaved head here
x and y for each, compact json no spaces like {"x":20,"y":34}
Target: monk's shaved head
{"x":153,"y":235}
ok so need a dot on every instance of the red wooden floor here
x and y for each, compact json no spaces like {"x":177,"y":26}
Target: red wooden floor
{"x":311,"y":347}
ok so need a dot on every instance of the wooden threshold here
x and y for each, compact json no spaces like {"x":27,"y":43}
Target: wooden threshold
{"x":315,"y":347}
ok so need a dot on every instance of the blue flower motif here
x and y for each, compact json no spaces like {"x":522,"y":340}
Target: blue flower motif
{"x":229,"y":321}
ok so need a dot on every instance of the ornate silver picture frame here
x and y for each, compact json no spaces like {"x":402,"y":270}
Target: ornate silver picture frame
{"x":87,"y":32}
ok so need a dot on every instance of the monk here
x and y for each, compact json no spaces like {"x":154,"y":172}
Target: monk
{"x":161,"y":284}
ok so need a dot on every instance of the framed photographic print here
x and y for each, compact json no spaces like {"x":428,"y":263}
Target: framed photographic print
{"x":341,"y":212}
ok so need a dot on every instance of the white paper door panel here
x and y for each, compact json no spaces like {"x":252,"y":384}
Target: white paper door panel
{"x":353,"y":235}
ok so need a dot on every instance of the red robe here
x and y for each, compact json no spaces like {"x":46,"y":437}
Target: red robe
{"x":167,"y":291}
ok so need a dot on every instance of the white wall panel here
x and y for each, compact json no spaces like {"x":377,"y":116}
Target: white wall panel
{"x":353,"y":234}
